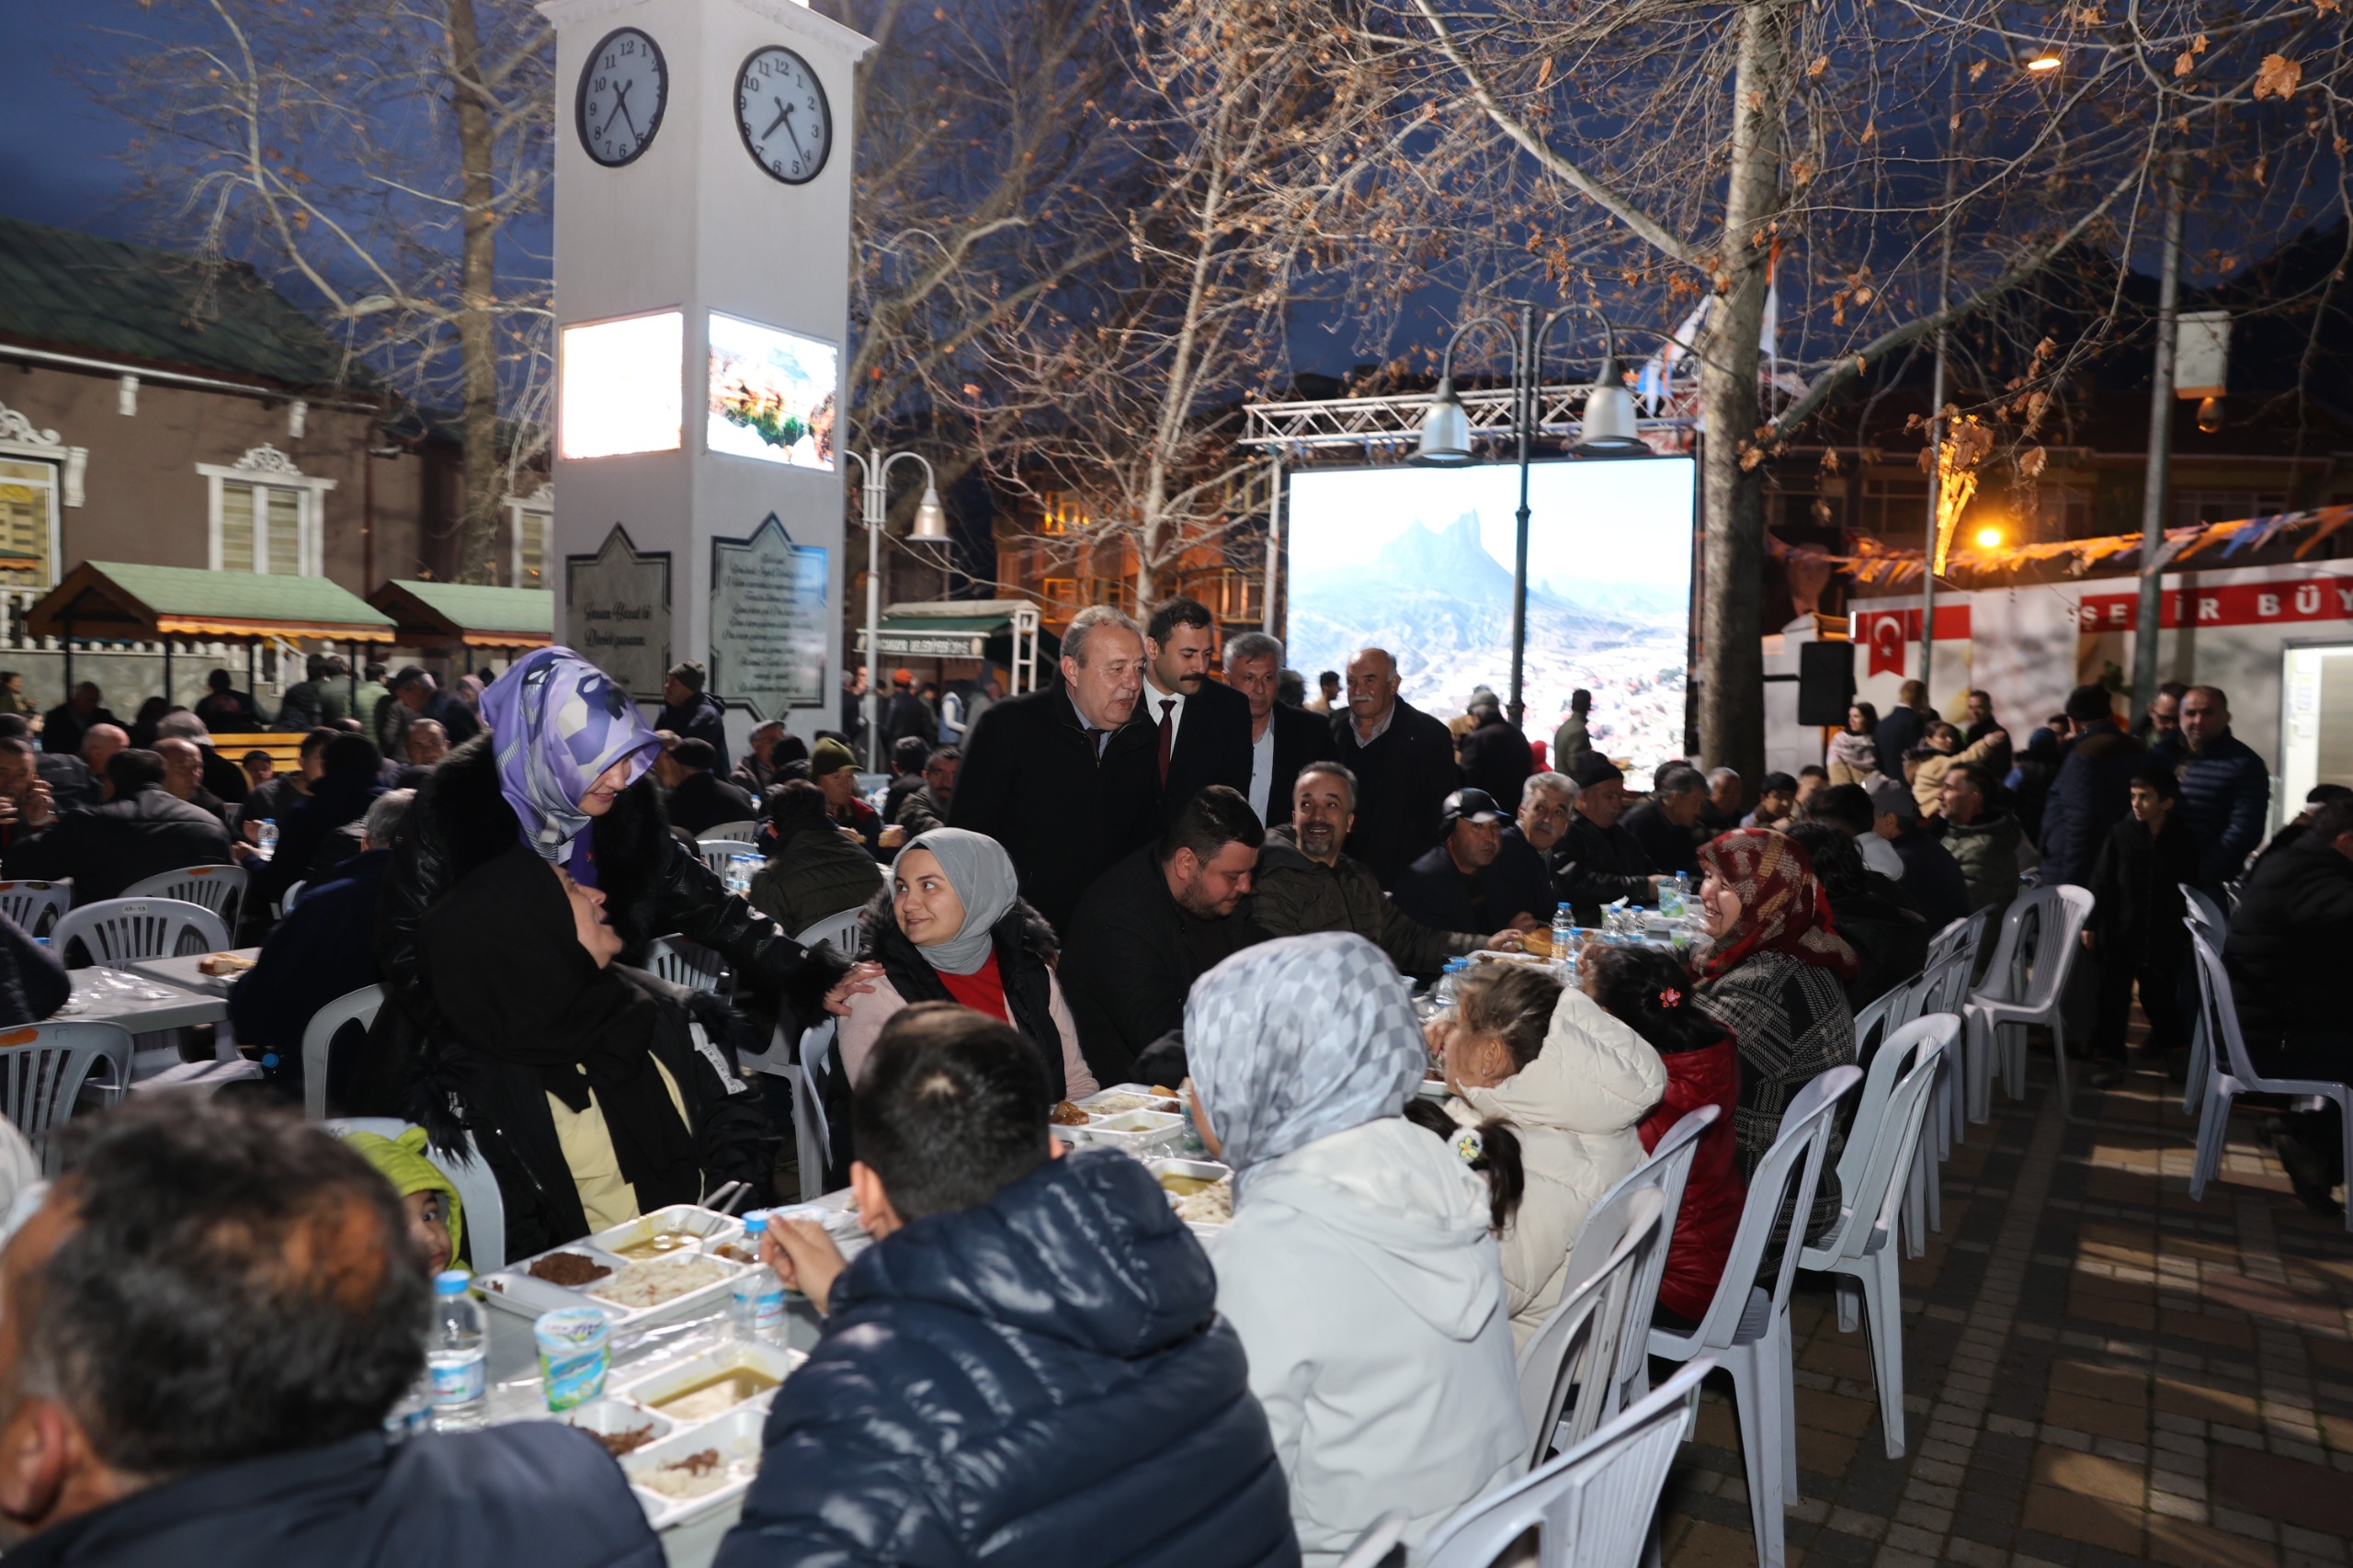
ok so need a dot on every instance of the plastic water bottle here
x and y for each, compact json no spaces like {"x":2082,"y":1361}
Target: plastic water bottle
{"x":758,"y":1293}
{"x":1682,"y":893}
{"x":266,"y":844}
{"x":739,"y":874}
{"x":1442,"y":993}
{"x":1564,"y":936}
{"x":455,"y":1356}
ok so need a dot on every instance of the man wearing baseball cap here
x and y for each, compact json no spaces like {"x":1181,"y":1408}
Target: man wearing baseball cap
{"x":834,"y":770}
{"x":1463,"y":884}
{"x":690,"y":712}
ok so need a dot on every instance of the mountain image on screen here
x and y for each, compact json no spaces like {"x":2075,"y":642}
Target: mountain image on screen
{"x":1439,"y":602}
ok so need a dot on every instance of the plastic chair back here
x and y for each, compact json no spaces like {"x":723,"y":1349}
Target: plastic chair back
{"x":2206,"y":915}
{"x":1665,"y":1172}
{"x":812,"y":1139}
{"x":1373,"y":1547}
{"x":116,"y":931}
{"x":220,"y":889}
{"x":717,"y":852}
{"x":1886,"y":1130}
{"x":682,"y":962}
{"x":485,"y":1211}
{"x":740,"y":832}
{"x":43,"y":1068}
{"x":841,"y":930}
{"x":359,"y":1006}
{"x":36,"y":906}
{"x":1575,"y":1350}
{"x":291,"y":897}
{"x":1592,"y":1506}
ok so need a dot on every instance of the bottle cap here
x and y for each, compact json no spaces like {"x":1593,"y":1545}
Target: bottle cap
{"x":450,"y":1282}
{"x":753,"y":1224}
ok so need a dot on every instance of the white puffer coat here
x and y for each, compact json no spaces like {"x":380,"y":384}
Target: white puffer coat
{"x":1574,"y":1107}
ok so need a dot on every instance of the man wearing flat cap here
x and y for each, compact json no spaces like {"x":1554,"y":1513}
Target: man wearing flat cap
{"x":1598,"y":861}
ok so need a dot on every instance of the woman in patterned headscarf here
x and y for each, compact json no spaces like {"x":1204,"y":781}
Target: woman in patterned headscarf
{"x":563,"y":766}
{"x":1774,"y":973}
{"x":1359,"y":1267}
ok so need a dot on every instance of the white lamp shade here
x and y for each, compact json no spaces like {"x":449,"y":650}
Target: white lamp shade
{"x":1446,"y":428}
{"x":931,"y":519}
{"x":1609,"y":418}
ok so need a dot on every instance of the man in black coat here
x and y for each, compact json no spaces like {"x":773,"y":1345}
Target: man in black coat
{"x":1404,"y":760}
{"x":1905,"y":724}
{"x":274,"y":1453}
{"x":1155,"y":923}
{"x":1495,"y":756}
{"x":1065,"y":779}
{"x":1598,"y":861}
{"x":1465,"y":884}
{"x":2286,"y":955}
{"x":424,"y":699}
{"x":140,"y":830}
{"x":2092,"y":790}
{"x":61,"y":730}
{"x":698,"y":799}
{"x":687,"y":711}
{"x":1664,"y":824}
{"x":1283,"y":739}
{"x":2136,"y":931}
{"x":906,"y":716}
{"x":1202,"y":733}
{"x":1933,"y":882}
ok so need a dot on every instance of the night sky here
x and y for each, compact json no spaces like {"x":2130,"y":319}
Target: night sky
{"x":59,"y":149}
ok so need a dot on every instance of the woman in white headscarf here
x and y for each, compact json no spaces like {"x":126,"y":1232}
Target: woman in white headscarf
{"x":952,"y":927}
{"x":1359,"y":1267}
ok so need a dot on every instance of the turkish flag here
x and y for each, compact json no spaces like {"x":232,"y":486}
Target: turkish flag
{"x":1885,"y":635}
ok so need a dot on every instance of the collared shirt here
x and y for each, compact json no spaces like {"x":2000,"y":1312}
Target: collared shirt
{"x":1378,"y":730}
{"x":1152,"y":697}
{"x":1262,"y":768}
{"x":1102,"y":737}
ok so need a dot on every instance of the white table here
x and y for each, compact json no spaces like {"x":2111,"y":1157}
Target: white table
{"x":174,"y":1009}
{"x":182,"y":971}
{"x":513,"y":1374}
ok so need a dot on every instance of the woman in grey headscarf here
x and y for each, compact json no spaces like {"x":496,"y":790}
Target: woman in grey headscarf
{"x":1359,"y":1267}
{"x":952,"y":927}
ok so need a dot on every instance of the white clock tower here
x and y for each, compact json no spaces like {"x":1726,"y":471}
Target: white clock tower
{"x":702,"y":263}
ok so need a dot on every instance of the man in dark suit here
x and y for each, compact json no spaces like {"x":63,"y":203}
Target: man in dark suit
{"x":1063,"y":777}
{"x":1283,"y":739}
{"x":1200,"y":727}
{"x":687,"y":711}
{"x":1597,"y":861}
{"x":62,"y":730}
{"x":139,"y":831}
{"x":1404,"y":760}
{"x":698,"y":799}
{"x":1664,"y":824}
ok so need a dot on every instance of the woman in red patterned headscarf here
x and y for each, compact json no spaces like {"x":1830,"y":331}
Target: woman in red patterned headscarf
{"x":1774,"y":974}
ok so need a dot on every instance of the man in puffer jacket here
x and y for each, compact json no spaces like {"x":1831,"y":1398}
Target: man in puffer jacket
{"x":1028,"y":1366}
{"x":2226,"y":787}
{"x":2093,"y":789}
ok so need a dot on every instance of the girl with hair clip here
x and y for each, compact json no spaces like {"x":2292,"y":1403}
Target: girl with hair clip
{"x":1569,"y":1082}
{"x":1647,"y":991}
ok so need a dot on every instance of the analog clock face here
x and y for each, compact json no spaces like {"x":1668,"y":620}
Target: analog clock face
{"x":623,"y":90}
{"x":781,"y":108}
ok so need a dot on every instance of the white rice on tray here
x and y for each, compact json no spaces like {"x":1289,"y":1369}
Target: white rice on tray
{"x":657,"y":1280}
{"x":1211,"y":1206}
{"x":683,"y":1479}
{"x":1115,"y":1105}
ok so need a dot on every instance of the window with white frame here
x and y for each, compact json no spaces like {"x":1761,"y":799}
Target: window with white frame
{"x":532,"y":526}
{"x":39,"y":474}
{"x":267,"y":516}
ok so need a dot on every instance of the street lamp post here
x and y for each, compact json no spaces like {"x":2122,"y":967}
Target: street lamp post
{"x":931,"y":522}
{"x":1607,"y":430}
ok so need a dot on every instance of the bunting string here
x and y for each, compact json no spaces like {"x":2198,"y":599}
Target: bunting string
{"x":1882,"y":565}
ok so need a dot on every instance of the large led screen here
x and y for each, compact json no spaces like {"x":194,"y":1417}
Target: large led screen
{"x":771,"y":395}
{"x":621,"y":388}
{"x":1419,"y":560}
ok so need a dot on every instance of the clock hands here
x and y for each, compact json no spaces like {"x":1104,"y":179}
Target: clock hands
{"x":787,"y":117}
{"x":783,"y":113}
{"x":620,"y":109}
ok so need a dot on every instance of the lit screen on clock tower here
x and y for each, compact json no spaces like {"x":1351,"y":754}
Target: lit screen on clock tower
{"x":771,"y":395}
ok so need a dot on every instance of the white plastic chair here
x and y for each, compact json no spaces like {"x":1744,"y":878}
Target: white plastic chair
{"x":811,"y":1138}
{"x":2220,"y":1008}
{"x":220,"y":889}
{"x":485,"y":1211}
{"x":1373,"y":1547}
{"x":2000,"y":1011}
{"x":717,"y":852}
{"x":35,"y":906}
{"x":43,"y":1068}
{"x":1574,"y":1355}
{"x":841,"y":930}
{"x":737,"y":831}
{"x":1666,"y":1172}
{"x":2205,"y":917}
{"x":116,"y":931}
{"x":1746,"y":1328}
{"x":291,"y":897}
{"x":1591,"y":1507}
{"x":359,"y":1006}
{"x":1873,"y":1172}
{"x":682,"y":962}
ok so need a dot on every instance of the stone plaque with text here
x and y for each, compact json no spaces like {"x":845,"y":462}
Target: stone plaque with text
{"x":768,"y":622}
{"x":618,"y":613}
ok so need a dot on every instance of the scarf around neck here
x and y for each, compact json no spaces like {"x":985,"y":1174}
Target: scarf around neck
{"x":977,"y":866}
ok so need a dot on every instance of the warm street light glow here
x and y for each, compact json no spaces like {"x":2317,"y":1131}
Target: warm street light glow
{"x":2047,"y":61}
{"x":1988,"y":537}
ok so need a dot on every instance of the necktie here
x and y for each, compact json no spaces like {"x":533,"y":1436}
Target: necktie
{"x":1168,"y":737}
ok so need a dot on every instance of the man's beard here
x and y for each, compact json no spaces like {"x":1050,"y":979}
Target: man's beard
{"x":1317,"y":838}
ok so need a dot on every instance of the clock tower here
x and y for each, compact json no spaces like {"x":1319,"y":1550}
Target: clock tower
{"x":702,"y":256}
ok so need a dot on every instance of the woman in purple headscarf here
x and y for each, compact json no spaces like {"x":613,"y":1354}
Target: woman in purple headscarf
{"x":563,"y":766}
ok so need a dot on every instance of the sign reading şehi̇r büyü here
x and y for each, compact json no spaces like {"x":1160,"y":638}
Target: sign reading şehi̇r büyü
{"x":617,"y":612}
{"x":767,"y":621}
{"x":2224,"y":604}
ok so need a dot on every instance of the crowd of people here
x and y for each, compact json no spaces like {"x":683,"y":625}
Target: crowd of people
{"x":1140,"y":873}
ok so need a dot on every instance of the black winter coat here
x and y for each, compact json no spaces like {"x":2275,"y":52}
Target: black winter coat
{"x":1434,"y":890}
{"x":1132,"y":957}
{"x":704,"y":800}
{"x":1403,"y":780}
{"x":699,"y":717}
{"x":2225,"y":797}
{"x":1043,"y":1379}
{"x":106,"y":847}
{"x":2136,"y":882}
{"x":2289,"y":937}
{"x":1497,"y":758}
{"x":1890,"y":937}
{"x":2090,"y":795}
{"x":1031,"y":780}
{"x":531,"y":1491}
{"x":1593,"y":866}
{"x":1666,"y":848}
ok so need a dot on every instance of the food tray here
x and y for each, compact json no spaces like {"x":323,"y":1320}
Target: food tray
{"x":686,"y":1218}
{"x":1207,"y":1169}
{"x":736,"y":1436}
{"x":607,"y":1416}
{"x":514,"y":1288}
{"x":1135,"y":1132}
{"x":1109,"y":1102}
{"x":647,"y":1393}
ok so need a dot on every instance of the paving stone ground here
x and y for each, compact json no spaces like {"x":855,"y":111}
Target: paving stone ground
{"x":2098,"y":1371}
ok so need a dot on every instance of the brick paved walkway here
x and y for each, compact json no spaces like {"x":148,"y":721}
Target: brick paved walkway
{"x":2098,"y":1371}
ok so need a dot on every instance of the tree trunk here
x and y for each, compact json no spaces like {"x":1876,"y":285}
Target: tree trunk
{"x":477,"y":304}
{"x":1732,"y":659}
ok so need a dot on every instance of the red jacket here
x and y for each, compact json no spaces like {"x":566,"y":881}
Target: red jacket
{"x":1714,"y":1194}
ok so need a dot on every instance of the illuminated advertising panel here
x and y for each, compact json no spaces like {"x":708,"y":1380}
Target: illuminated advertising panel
{"x":621,"y":388}
{"x":771,"y":395}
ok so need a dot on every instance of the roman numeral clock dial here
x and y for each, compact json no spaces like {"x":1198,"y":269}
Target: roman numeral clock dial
{"x":781,"y":111}
{"x":623,"y":90}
